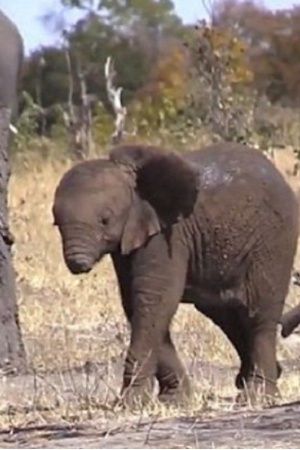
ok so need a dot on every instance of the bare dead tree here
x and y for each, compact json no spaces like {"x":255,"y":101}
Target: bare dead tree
{"x":38,"y":94}
{"x":69,"y":115}
{"x":78,"y":120}
{"x":209,"y":8}
{"x":114,"y":96}
{"x":71,"y":86}
{"x":85,"y":116}
{"x":13,"y":129}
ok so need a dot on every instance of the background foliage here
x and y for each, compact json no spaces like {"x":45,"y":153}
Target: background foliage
{"x":234,"y":78}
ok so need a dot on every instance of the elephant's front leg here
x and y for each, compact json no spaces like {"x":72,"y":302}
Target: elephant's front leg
{"x":156,"y":289}
{"x":149,"y":326}
{"x":173,"y":381}
{"x":140,"y":363}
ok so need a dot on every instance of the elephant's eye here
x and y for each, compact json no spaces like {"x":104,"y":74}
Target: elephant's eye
{"x":104,"y":217}
{"x":104,"y":220}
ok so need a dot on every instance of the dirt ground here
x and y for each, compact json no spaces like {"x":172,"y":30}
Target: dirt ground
{"x":76,"y":337}
{"x":274,"y":428}
{"x":218,"y":425}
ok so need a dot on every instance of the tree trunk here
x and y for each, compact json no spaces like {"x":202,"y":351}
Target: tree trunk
{"x":12,"y":354}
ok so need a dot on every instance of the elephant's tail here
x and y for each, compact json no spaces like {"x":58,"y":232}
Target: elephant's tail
{"x":290,"y":321}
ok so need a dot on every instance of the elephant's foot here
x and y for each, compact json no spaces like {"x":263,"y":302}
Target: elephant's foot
{"x":178,"y":394}
{"x":258,"y":391}
{"x":241,"y":378}
{"x":134,"y":397}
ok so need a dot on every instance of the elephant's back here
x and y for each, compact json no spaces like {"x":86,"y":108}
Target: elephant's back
{"x":228,"y":171}
{"x":247,"y":214}
{"x":224,"y":164}
{"x":241,"y":189}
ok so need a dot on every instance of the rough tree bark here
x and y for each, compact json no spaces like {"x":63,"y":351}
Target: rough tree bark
{"x":12,"y":354}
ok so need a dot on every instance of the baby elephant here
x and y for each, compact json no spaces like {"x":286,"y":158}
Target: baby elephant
{"x":216,"y":228}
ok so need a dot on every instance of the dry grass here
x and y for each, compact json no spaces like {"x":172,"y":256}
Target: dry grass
{"x":70,"y":321}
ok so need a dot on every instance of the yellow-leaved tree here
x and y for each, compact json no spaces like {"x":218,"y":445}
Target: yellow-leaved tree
{"x":159,"y":101}
{"x":221,"y":78}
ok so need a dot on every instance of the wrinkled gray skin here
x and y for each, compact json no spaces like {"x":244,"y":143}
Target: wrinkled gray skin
{"x":11,"y":59}
{"x":217,"y":228}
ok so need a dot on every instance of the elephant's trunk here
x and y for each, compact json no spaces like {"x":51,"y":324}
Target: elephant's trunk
{"x":79,"y":249}
{"x":78,"y":262}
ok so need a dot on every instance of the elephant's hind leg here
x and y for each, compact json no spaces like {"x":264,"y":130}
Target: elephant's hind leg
{"x":234,"y":323}
{"x":261,"y":381}
{"x":265,"y":308}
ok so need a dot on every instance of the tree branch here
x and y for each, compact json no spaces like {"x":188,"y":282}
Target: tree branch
{"x":114,"y":96}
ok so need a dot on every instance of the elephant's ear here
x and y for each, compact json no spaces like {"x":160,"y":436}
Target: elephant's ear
{"x":166,"y":180}
{"x":141,"y":224}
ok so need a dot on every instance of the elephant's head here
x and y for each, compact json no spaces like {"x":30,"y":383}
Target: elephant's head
{"x":119,"y":203}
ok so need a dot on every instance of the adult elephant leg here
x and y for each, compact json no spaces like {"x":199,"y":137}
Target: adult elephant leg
{"x":173,"y":381}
